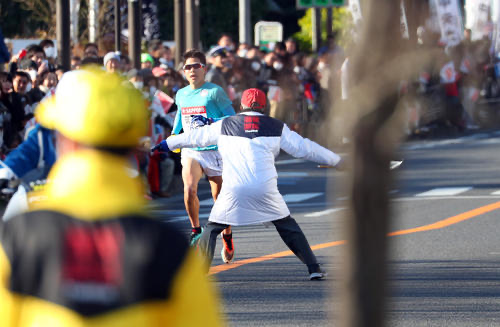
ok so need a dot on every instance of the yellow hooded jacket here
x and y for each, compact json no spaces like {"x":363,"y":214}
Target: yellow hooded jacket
{"x":88,"y":255}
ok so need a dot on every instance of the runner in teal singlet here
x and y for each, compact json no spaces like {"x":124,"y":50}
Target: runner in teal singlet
{"x":209,"y":100}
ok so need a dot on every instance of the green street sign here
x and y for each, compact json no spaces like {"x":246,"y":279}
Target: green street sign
{"x":322,"y":3}
{"x":303,"y":4}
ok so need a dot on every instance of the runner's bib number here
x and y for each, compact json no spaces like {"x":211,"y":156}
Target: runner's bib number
{"x":187,"y":112}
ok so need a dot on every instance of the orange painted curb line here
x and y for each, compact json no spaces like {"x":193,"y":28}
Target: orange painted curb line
{"x":437,"y":225}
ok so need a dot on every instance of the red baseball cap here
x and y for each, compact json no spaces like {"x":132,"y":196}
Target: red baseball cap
{"x":253,"y":98}
{"x":158,"y":71}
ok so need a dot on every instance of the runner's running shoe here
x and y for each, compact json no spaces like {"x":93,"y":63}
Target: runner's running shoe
{"x":227,"y":252}
{"x":193,"y":239}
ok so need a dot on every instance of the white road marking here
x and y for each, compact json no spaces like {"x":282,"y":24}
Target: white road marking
{"x":324,"y":212}
{"x":289,"y":161}
{"x":285,"y":174}
{"x":287,"y":181}
{"x":444,"y":191}
{"x":183,"y":218}
{"x":207,"y":202}
{"x":298,"y":197}
{"x":496,"y":193}
{"x":480,"y":137}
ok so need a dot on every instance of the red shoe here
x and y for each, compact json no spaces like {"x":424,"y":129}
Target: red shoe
{"x":227,"y":252}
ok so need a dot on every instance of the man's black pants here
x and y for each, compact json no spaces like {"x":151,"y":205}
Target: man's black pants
{"x":288,"y":229}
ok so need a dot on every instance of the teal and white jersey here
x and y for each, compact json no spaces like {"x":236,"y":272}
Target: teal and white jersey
{"x":209,"y":100}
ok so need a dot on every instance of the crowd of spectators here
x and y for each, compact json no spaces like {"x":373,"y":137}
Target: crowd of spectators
{"x":293,"y":81}
{"x":300,"y":86}
{"x":457,"y":89}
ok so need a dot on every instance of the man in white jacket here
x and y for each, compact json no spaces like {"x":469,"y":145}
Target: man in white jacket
{"x":248,"y":144}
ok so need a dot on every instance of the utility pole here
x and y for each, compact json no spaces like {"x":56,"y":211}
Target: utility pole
{"x":74,"y":10}
{"x":316,"y":32}
{"x":179,"y":31}
{"x":244,"y":22}
{"x":63,"y":33}
{"x":93,"y":10}
{"x":134,"y":32}
{"x":192,"y":24}
{"x":329,"y":22}
{"x":118,"y":25}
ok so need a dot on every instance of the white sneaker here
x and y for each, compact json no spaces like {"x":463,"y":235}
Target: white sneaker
{"x":317,"y":275}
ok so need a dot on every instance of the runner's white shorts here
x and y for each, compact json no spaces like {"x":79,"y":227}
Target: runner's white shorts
{"x":210,"y":161}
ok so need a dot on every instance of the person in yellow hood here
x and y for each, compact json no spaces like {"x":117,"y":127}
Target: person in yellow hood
{"x":87,"y":253}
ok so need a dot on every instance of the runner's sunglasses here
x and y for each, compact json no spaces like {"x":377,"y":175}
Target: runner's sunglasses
{"x":195,"y":66}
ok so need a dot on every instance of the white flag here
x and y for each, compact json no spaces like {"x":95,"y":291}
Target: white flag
{"x":404,"y":22}
{"x":478,"y":18}
{"x":355,"y":9}
{"x":450,"y":21}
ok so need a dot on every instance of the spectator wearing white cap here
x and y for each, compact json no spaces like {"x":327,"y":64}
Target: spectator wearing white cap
{"x":112,"y":62}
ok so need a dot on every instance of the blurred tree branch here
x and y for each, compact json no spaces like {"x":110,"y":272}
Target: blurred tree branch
{"x":43,"y":15}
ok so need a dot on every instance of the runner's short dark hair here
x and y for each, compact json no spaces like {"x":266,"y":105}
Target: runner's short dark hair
{"x":195,"y":53}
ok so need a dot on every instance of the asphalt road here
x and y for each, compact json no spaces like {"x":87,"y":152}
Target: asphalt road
{"x":444,"y":258}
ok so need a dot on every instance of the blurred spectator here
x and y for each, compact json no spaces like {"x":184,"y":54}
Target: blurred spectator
{"x":467,"y":36}
{"x":219,"y":60}
{"x":226,"y":41}
{"x":242,"y":77}
{"x":37,"y":55}
{"x":50,"y":53}
{"x":112,"y":62}
{"x":4,"y":52}
{"x":280,"y":50}
{"x":292,"y":47}
{"x":125,"y":63}
{"x":254,"y":53}
{"x":11,"y":101}
{"x":91,"y":61}
{"x":282,"y":54}
{"x":167,"y":57}
{"x":243,"y":50}
{"x":59,"y":72}
{"x":76,"y":62}
{"x":147,"y":61}
{"x":29,"y":94}
{"x":20,"y":82}
{"x":47,"y":82}
{"x":171,"y":82}
{"x":162,"y":75}
{"x":135,"y":77}
{"x":156,"y":49}
{"x":91,"y":50}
